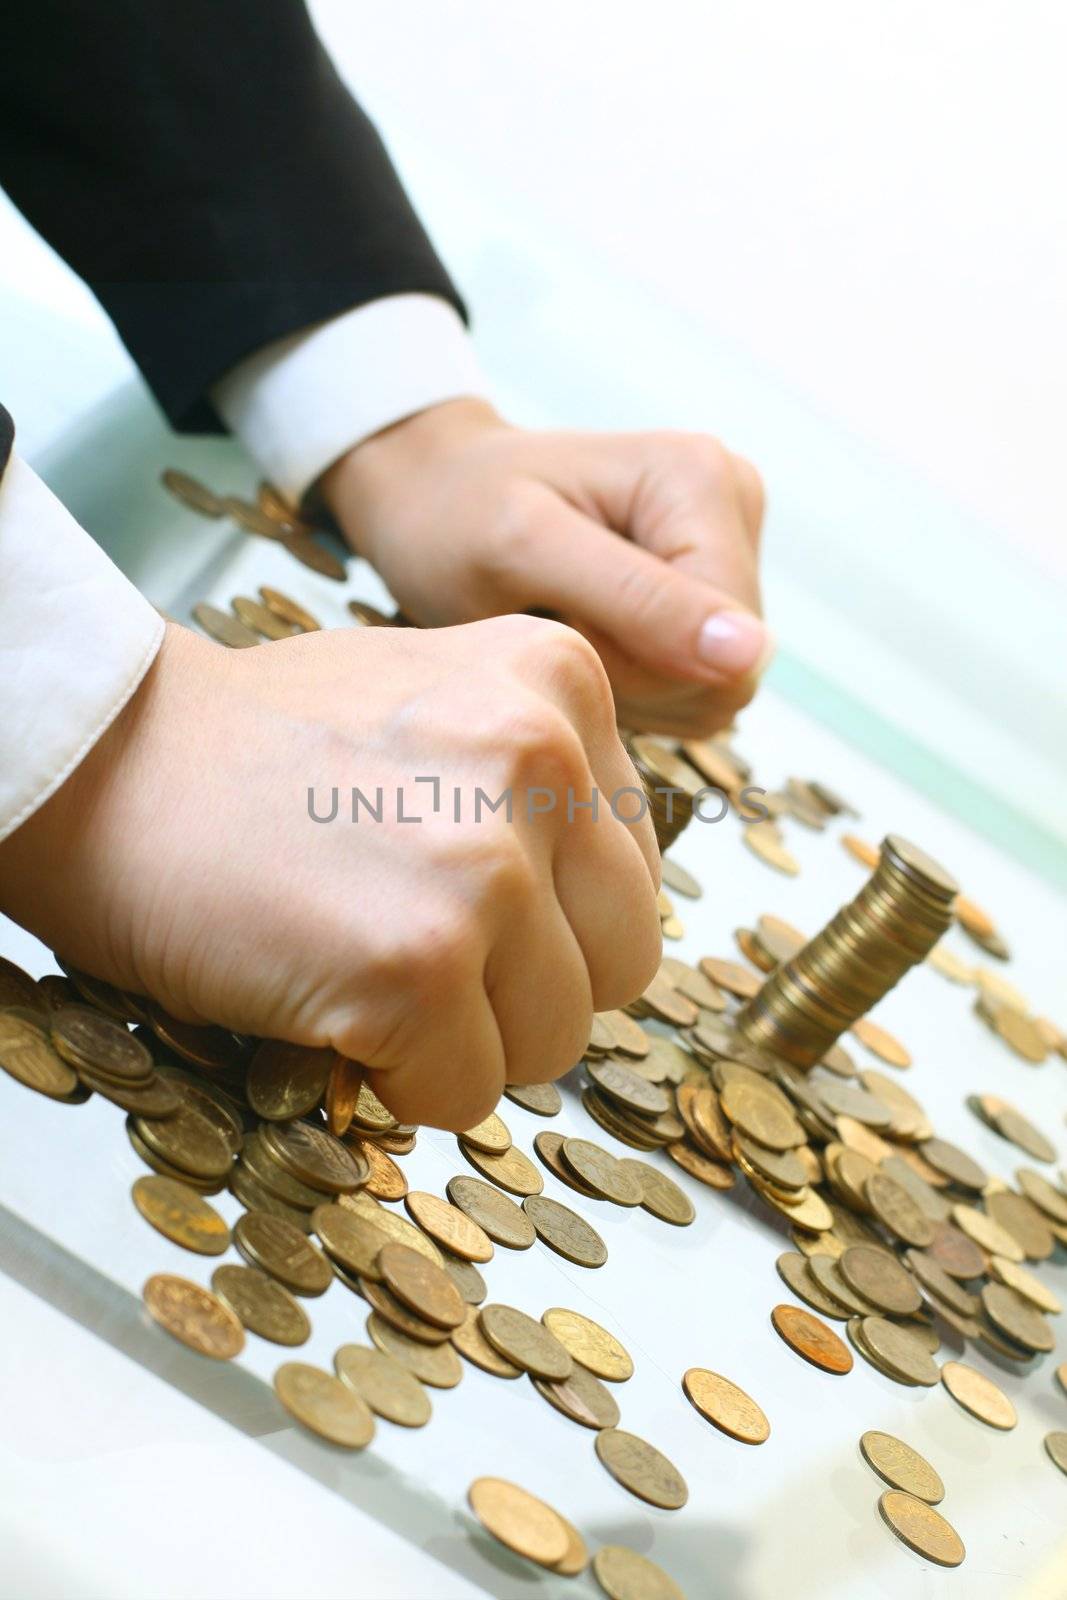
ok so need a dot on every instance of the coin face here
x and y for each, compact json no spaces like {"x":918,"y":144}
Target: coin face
{"x":315,"y":1157}
{"x":435,"y":1364}
{"x":471,"y":1343}
{"x":581,"y":1397}
{"x":764,"y":839}
{"x":390,"y":1389}
{"x":660,"y":1195}
{"x":565,"y":1232}
{"x":264,"y":1306}
{"x":289,"y":610}
{"x":756,"y":1112}
{"x":625,"y":1575}
{"x":386,"y":1304}
{"x":86,"y":1038}
{"x":525,"y":1343}
{"x":897,"y":1211}
{"x":451,"y":1228}
{"x":519,"y":1520}
{"x":286,"y":1080}
{"x":391,"y":1224}
{"x":466,"y":1277}
{"x":224,"y":628}
{"x":601,"y":1171}
{"x":921,"y":1528}
{"x":504,"y":1221}
{"x":511,"y":1170}
{"x":323,"y":1404}
{"x":729,"y":1408}
{"x":897,"y":1464}
{"x":421,"y":1285}
{"x":280,"y":1248}
{"x":954,"y":1164}
{"x":181,"y":1215}
{"x":386,"y":1181}
{"x":899,"y":1352}
{"x":260,"y":618}
{"x":881,"y":1043}
{"x":1017,"y":1317}
{"x":714,"y":1174}
{"x":491,"y":1135}
{"x":27,"y":1056}
{"x":189,"y":1142}
{"x":986,"y":1233}
{"x":731,"y":976}
{"x":979,"y":1395}
{"x":812,"y":1339}
{"x":880,"y":1278}
{"x":642,"y":1469}
{"x":543,"y":1099}
{"x":1056,"y":1446}
{"x":590,"y":1344}
{"x":194,"y":1316}
{"x":1044,"y":1195}
{"x":1025,"y":1283}
{"x":795,"y":1272}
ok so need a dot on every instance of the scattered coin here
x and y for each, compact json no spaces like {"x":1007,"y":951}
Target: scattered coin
{"x":289,"y":610}
{"x":192,"y":493}
{"x":565,"y":1232}
{"x":1024,"y":1283}
{"x":712,"y":1173}
{"x":642,"y":1469}
{"x":729,"y":1408}
{"x":512,"y":1170}
{"x":260,"y":618}
{"x":589,"y":1343}
{"x":504,"y":1221}
{"x":466,"y":1277}
{"x":181,"y":1215}
{"x":897,"y":1464}
{"x":471,"y":1342}
{"x":519,"y":1520}
{"x":543,"y":1099}
{"x":986,"y":1234}
{"x":280,"y":1248}
{"x":921,"y":1528}
{"x":491,"y":1135}
{"x":314,"y":1156}
{"x":881,"y":1043}
{"x":194,"y":1316}
{"x":224,"y":628}
{"x":812,"y":1339}
{"x":421,"y":1285}
{"x":27,"y":1056}
{"x":435,"y":1364}
{"x":325,"y":1405}
{"x":1056,"y":1446}
{"x":601,"y":1171}
{"x":264,"y":1306}
{"x":389,"y":1388}
{"x":899,"y":1352}
{"x":625,"y":1575}
{"x":1017,"y":1317}
{"x":660,"y":1195}
{"x":880,"y":1278}
{"x":581,"y":1397}
{"x":979,"y":1395}
{"x":525,"y":1343}
{"x":450,"y":1227}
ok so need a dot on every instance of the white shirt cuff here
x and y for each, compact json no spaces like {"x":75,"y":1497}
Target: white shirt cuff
{"x":76,"y":638}
{"x":301,"y":403}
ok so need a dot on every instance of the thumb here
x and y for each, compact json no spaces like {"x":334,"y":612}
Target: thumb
{"x":669,"y":622}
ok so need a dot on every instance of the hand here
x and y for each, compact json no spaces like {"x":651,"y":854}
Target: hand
{"x":645,"y":543}
{"x":180,"y":861}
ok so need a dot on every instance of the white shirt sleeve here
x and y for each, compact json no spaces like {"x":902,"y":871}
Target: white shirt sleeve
{"x":299,"y":404}
{"x":76,"y":638}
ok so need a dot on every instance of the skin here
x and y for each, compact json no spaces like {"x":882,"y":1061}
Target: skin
{"x":179,"y":859}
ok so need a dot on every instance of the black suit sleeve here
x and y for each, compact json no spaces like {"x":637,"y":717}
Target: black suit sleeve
{"x":200,"y":164}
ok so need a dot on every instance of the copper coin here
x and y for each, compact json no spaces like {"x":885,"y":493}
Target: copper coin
{"x":979,"y":1395}
{"x":282,"y":1249}
{"x":565,"y":1232}
{"x":194,"y":1316}
{"x":625,"y":1575}
{"x":729,"y":1408}
{"x":324,"y":1405}
{"x":286,"y":1080}
{"x":602,"y":1171}
{"x":472,"y":1344}
{"x":642,"y":1469}
{"x":897,"y":1464}
{"x":315,"y":1157}
{"x":451,"y":1228}
{"x":511,"y":1170}
{"x":289,"y":610}
{"x":543,"y":1099}
{"x":504,"y":1221}
{"x":812,"y":1339}
{"x":435,"y":1364}
{"x":581,"y":1397}
{"x":525,"y":1343}
{"x":712,"y":1173}
{"x":264,"y":1305}
{"x":423,"y":1287}
{"x":519,"y":1520}
{"x":921,"y":1528}
{"x":181,"y":1214}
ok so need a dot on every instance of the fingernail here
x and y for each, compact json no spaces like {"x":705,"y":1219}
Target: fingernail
{"x":735,"y":642}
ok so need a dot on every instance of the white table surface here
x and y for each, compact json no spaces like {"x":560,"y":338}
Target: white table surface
{"x":131,"y":1468}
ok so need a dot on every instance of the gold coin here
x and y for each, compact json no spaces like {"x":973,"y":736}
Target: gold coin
{"x":189,"y":1142}
{"x":490,"y":1135}
{"x":264,"y":1306}
{"x":764,"y":839}
{"x":543,"y":1099}
{"x":260,"y":618}
{"x":756,"y":1112}
{"x":519,"y":1520}
{"x":881,"y":1043}
{"x":451,"y":1228}
{"x":246,"y":1187}
{"x":979,"y":1395}
{"x":866,"y":854}
{"x":730,"y":975}
{"x":986,"y":1233}
{"x":642,"y":1469}
{"x":601,"y":1171}
{"x":279,"y":1248}
{"x":211,"y":1049}
{"x":1056,"y":1446}
{"x":806,"y":1210}
{"x":386,"y":1304}
{"x":899,"y":1352}
{"x":726,"y":1406}
{"x":1025,"y":1283}
{"x":712,"y":1173}
{"x":1021,"y":1033}
{"x":954,"y":1253}
{"x":391,"y":1224}
{"x":880,"y":1278}
{"x":86,"y":1038}
{"x":324,"y":1404}
{"x":435,"y":1364}
{"x":624,"y":1575}
{"x":421,"y":1285}
{"x":811,"y":1339}
{"x":590,"y":1344}
{"x":289,"y":610}
{"x":525,"y":1343}
{"x":192,"y":493}
{"x":194,"y":1316}
{"x":390,"y":1389}
{"x":251,"y":518}
{"x":223,"y":628}
{"x":504,"y":1221}
{"x":921,"y":1528}
{"x":27,"y":1056}
{"x":181,"y":1215}
{"x":386,"y":1181}
{"x":628,"y":1088}
{"x":581,"y":1397}
{"x":577,"y":1558}
{"x":314,"y":1156}
{"x":343,"y":1088}
{"x":660,"y":1195}
{"x":512,"y":1170}
{"x":897,"y":1464}
{"x":354,"y":1242}
{"x":471,"y":1342}
{"x":1017,"y":1317}
{"x":698,"y":987}
{"x":950,"y":966}
{"x":565,"y":1232}
{"x":286,"y":1080}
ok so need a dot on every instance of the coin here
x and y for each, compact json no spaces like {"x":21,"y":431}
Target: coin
{"x":421,"y":1285}
{"x":678,"y":878}
{"x":979,"y":1395}
{"x":86,"y":1038}
{"x":581,"y":1397}
{"x":1056,"y":1446}
{"x":826,"y":1271}
{"x":313,"y":555}
{"x":753,"y":1109}
{"x":490,"y":1135}
{"x":189,"y":1142}
{"x":471,"y":1342}
{"x":315,"y":1157}
{"x":211,"y":1049}
{"x":590,"y":1344}
{"x":286,"y":1080}
{"x":957,"y":1255}
{"x":986,"y":1234}
{"x":182,"y":1215}
{"x":191,"y":492}
{"x":1025,"y":1283}
{"x":712,"y":1173}
{"x":764,"y":839}
{"x":264,"y":1306}
{"x":466,"y":1277}
{"x":354,"y":1242}
{"x":279,"y":1248}
{"x":601,"y":1171}
{"x":389,"y":1388}
{"x":289,"y":610}
{"x":949,"y":964}
{"x":811,"y":1339}
{"x":386,"y":1181}
{"x":565,"y":1232}
{"x":899,"y":1352}
{"x":390,"y":1223}
{"x":222,"y":627}
{"x":729,"y":1408}
{"x":543,"y":1099}
{"x":323,"y":1404}
{"x":519,"y":1520}
{"x":577,"y":1558}
{"x":938,"y":1282}
{"x":921,"y":1528}
{"x":628,"y":1088}
{"x":435,"y":1364}
{"x":881,"y":1043}
{"x":194,"y":1316}
{"x":897,"y":1464}
{"x":386,"y":1304}
{"x":642,"y":1469}
{"x":27,"y":1056}
{"x":1017,"y":1317}
{"x":731,"y":975}
{"x":660,"y":1195}
{"x":451,"y":1228}
{"x":795,"y":1272}
{"x":880,"y":1278}
{"x":244,"y":1186}
{"x":512,"y":1170}
{"x":897,"y":1211}
{"x":1044,"y":1195}
{"x":504,"y":1221}
{"x":524,"y":1342}
{"x":624,"y":1575}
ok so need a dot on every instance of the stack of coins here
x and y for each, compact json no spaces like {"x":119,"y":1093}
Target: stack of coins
{"x":671,"y":784}
{"x":893,"y":923}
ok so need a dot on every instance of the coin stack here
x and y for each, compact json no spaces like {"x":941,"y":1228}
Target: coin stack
{"x":893,"y":923}
{"x":671,"y":785}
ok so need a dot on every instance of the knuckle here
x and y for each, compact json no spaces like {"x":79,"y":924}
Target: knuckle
{"x":706,"y":459}
{"x":541,"y":745}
